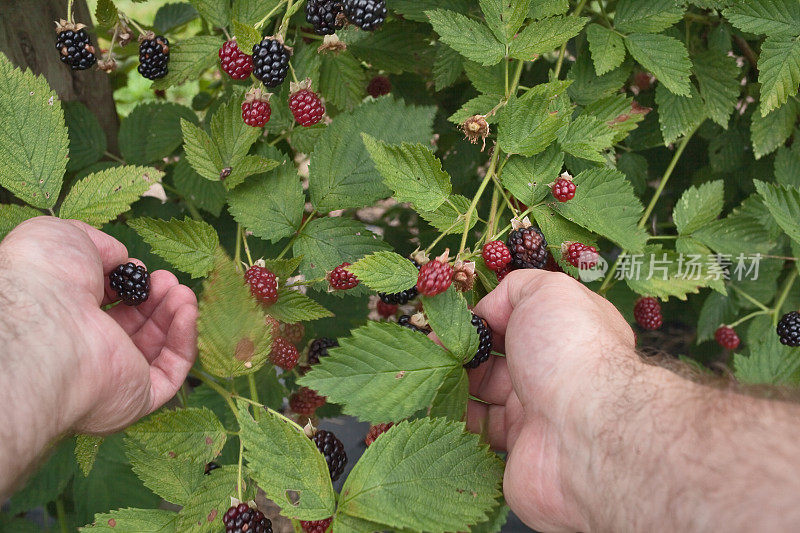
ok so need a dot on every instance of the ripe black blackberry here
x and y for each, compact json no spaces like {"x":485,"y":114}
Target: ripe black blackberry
{"x":74,"y":45}
{"x":366,"y":14}
{"x":486,"y":342}
{"x":270,"y":61}
{"x":402,"y":297}
{"x":789,"y":329}
{"x":322,"y":14}
{"x":319,"y":348}
{"x":131,"y":283}
{"x":405,"y":321}
{"x":153,"y":56}
{"x":333,"y":450}
{"x":528,"y":248}
{"x":241,"y":518}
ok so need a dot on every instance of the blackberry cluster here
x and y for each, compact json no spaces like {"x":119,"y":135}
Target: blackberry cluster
{"x":333,"y":450}
{"x":789,"y":329}
{"x":242,"y":519}
{"x":319,"y":348}
{"x":402,"y":297}
{"x":131,"y":283}
{"x":322,"y":14}
{"x":405,"y":321}
{"x":486,"y":342}
{"x":270,"y":62}
{"x":528,"y":248}
{"x":154,"y":57}
{"x":75,"y":49}
{"x":366,"y":14}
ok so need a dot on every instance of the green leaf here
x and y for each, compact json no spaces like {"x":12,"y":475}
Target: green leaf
{"x":545,"y":35}
{"x":619,"y":112}
{"x":251,"y":11}
{"x":647,"y":16}
{"x":286,"y":465}
{"x":699,"y":206}
{"x":450,"y":319}
{"x":396,"y":48}
{"x":385,"y":485}
{"x":293,"y":306}
{"x":787,"y":168}
{"x":12,"y":215}
{"x":103,"y":196}
{"x":586,"y":137}
{"x":778,"y":71}
{"x":133,"y":521}
{"x":770,"y":132}
{"x":48,"y":483}
{"x":480,"y":105}
{"x":204,"y":194}
{"x":768,"y":363}
{"x":216,"y":12}
{"x":412,"y":171}
{"x":233,"y":340}
{"x":233,"y":139}
{"x":717,"y":310}
{"x":342,"y":172}
{"x":531,"y":123}
{"x":447,"y":67}
{"x":605,"y":203}
{"x":771,"y":17}
{"x":183,"y":434}
{"x":678,"y":115}
{"x":452,"y":397}
{"x":270,"y":205}
{"x":283,"y":268}
{"x":740,"y":232}
{"x":105,"y":14}
{"x":153,"y":131}
{"x":547,"y":8}
{"x":170,"y":16}
{"x":489,"y":80}
{"x":205,"y":508}
{"x":342,"y":80}
{"x":86,"y":448}
{"x":587,"y":87}
{"x":189,"y":58}
{"x":607,"y":47}
{"x":468,"y":37}
{"x":201,"y":152}
{"x":527,"y":178}
{"x":665,"y":56}
{"x":383,"y":373}
{"x":385,"y":272}
{"x":449,"y":217}
{"x":175,"y":480}
{"x":188,"y":245}
{"x":415,"y":9}
{"x":784,"y":204}
{"x":497,"y":519}
{"x":33,"y":137}
{"x":664,"y":275}
{"x":326,"y":243}
{"x":87,"y":140}
{"x":505,"y":17}
{"x":718,"y":76}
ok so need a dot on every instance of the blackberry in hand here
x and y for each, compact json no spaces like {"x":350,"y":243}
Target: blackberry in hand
{"x":242,"y":519}
{"x":319,"y":348}
{"x":789,"y":329}
{"x":74,"y":45}
{"x":485,"y":345}
{"x":406,"y":322}
{"x":528,"y":248}
{"x":270,"y":62}
{"x":333,"y":450}
{"x":131,"y":283}
{"x":153,"y":56}
{"x":322,"y":14}
{"x":366,"y":14}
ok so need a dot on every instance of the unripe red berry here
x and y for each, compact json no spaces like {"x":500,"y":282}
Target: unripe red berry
{"x":496,"y":255}
{"x":379,"y":86}
{"x":564,"y":189}
{"x":234,"y":62}
{"x":256,"y":110}
{"x":263,"y":284}
{"x":435,"y":277}
{"x":385,"y":310}
{"x":284,"y":354}
{"x":306,"y":106}
{"x":340,"y":279}
{"x":726,"y":337}
{"x":579,"y":255}
{"x":647,"y":313}
{"x":305,"y":401}
{"x":316,"y":526}
{"x":376,"y":431}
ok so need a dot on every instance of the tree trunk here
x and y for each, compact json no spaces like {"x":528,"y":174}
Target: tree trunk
{"x":27,"y":37}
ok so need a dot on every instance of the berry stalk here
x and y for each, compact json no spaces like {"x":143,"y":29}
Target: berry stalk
{"x":477,"y":197}
{"x":787,"y":286}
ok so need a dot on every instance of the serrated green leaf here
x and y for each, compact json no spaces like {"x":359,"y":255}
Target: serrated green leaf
{"x":480,"y":105}
{"x":12,"y":215}
{"x":489,"y":80}
{"x":547,"y":8}
{"x":447,"y":66}
{"x":741,"y":232}
{"x":678,"y":115}
{"x":33,"y":136}
{"x":201,"y":152}
{"x":385,"y":485}
{"x":252,"y":11}
{"x":527,"y":178}
{"x":189,"y":58}
{"x":505,"y":17}
{"x":449,"y":217}
{"x":216,"y":12}
{"x":619,"y":112}
{"x":787,"y":168}
{"x":664,"y":56}
{"x":233,"y":340}
{"x":717,"y":309}
{"x":283,"y":268}
{"x":105,"y":14}
{"x":545,"y":35}
{"x":778,"y":71}
{"x":770,"y":132}
{"x":383,"y":373}
{"x":170,"y":16}
{"x":246,"y":35}
{"x":293,"y":306}
{"x":412,"y":171}
{"x":87,"y":140}
{"x":134,"y":521}
{"x":587,"y":87}
{"x":153,"y":131}
{"x":530,"y":124}
{"x":86,"y":448}
{"x":718,"y":76}
{"x":188,"y":245}
{"x":468,"y":37}
{"x":771,"y":17}
{"x":698,"y":206}
{"x":605,"y":203}
{"x":342,"y":80}
{"x":450,"y":319}
{"x":398,"y":47}
{"x":385,"y":272}
{"x":607,"y":48}
{"x":586,"y":137}
{"x":647,"y":16}
{"x":342,"y":173}
{"x":182,"y":434}
{"x":784,"y":204}
{"x":234,"y":138}
{"x":286,"y":465}
{"x":204,"y":194}
{"x":102,"y":196}
{"x":205,"y":508}
{"x":663,"y":275}
{"x":768,"y":363}
{"x":452,"y":397}
{"x":175,"y":480}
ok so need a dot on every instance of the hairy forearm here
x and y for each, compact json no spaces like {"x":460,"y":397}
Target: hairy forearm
{"x":670,"y":454}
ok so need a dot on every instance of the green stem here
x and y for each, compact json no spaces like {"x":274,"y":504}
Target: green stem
{"x":285,"y":21}
{"x":748,"y":317}
{"x":666,"y":176}
{"x":226,"y":395}
{"x":662,"y":237}
{"x":493,"y":210}
{"x":610,"y":276}
{"x":502,"y":190}
{"x":477,"y":197}
{"x":113,"y":157}
{"x":750,"y":298}
{"x":787,"y":286}
{"x":192,"y":209}
{"x":563,"y":51}
{"x":240,"y":481}
{"x":238,"y":257}
{"x":60,"y":511}
{"x":280,"y":137}
{"x":246,"y":248}
{"x":69,"y":10}
{"x":274,"y":10}
{"x":508,"y":59}
{"x":299,"y":231}
{"x":443,"y":235}
{"x":251,"y":383}
{"x":274,"y":412}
